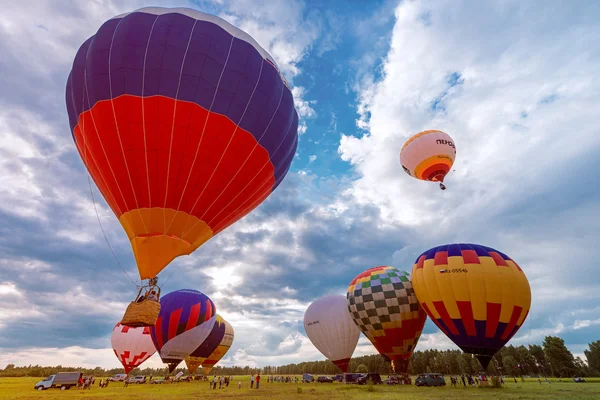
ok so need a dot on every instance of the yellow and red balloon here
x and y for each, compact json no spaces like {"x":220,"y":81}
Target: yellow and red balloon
{"x":478,"y":296}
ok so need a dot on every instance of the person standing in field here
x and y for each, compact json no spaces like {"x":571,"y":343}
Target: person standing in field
{"x":257,"y":380}
{"x":251,"y":381}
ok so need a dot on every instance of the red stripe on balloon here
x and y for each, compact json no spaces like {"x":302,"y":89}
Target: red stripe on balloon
{"x":441,"y":309}
{"x":209,"y":311}
{"x":421,"y":262}
{"x":118,"y":161}
{"x":501,"y":262}
{"x":173,"y":323}
{"x":193,"y":319}
{"x":441,"y":258}
{"x":493,"y":316}
{"x":470,"y":257}
{"x":466,"y":315}
{"x":516,"y":312}
{"x":435,"y":320}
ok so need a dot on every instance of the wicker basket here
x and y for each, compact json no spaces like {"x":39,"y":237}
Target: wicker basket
{"x":143,"y":313}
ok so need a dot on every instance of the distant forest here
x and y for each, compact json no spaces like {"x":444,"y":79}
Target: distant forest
{"x":552,"y":359}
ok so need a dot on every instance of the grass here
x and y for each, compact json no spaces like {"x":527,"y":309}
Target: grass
{"x":22,"y":389}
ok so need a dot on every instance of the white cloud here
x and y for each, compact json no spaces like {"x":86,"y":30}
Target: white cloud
{"x":312,"y":158}
{"x":519,"y":96}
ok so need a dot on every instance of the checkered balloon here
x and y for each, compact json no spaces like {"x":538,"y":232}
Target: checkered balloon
{"x":383,"y":304}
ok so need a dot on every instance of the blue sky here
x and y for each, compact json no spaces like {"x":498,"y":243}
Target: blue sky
{"x":515,"y":84}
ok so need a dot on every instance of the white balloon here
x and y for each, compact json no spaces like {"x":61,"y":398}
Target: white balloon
{"x":132,"y":346}
{"x":331,"y":330}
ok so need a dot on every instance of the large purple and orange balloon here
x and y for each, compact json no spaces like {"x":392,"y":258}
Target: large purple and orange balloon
{"x":185,"y":124}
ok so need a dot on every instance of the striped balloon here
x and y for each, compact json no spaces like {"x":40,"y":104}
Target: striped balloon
{"x":428,"y":156}
{"x":220,"y":351}
{"x":383,"y":305}
{"x":186,"y":318}
{"x":478,"y":296}
{"x":212,"y":341}
{"x":185,"y":124}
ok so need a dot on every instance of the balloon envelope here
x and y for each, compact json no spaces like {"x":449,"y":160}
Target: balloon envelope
{"x":220,"y":351}
{"x":186,"y":318}
{"x":428,"y":155}
{"x":330,"y":328}
{"x":383,"y":305}
{"x":185,"y":124}
{"x":132,"y":346}
{"x":212,"y":341}
{"x":477,"y":296}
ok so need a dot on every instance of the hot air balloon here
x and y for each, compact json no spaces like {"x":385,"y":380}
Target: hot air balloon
{"x":383,"y":304}
{"x":185,"y":124}
{"x":220,"y":351}
{"x":331,"y":330}
{"x":477,"y":296}
{"x":132,"y":346}
{"x":186,"y":318}
{"x":428,"y":156}
{"x":212,"y":341}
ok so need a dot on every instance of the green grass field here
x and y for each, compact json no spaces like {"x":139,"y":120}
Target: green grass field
{"x":22,"y":388}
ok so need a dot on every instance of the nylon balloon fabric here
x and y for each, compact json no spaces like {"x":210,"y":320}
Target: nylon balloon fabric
{"x":132,"y":346}
{"x":331,"y":329}
{"x":212,"y":341}
{"x":383,"y":304}
{"x":478,"y":296}
{"x":220,"y":351}
{"x":185,"y":124}
{"x":428,"y":155}
{"x":186,"y":319}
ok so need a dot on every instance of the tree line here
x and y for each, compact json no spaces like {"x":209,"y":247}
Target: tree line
{"x":551,"y":358}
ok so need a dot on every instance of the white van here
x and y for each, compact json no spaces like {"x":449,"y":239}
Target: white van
{"x":62,"y":380}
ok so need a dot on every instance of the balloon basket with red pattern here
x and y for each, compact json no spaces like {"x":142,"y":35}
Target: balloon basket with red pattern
{"x":142,"y":313}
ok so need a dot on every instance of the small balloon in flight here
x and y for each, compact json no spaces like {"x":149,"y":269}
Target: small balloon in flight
{"x":428,"y":156}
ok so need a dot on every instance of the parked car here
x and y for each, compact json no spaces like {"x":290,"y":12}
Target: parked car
{"x":322,"y":379}
{"x":118,"y":378}
{"x":375,"y":378}
{"x":579,"y":380}
{"x":62,"y":380}
{"x":157,"y":381}
{"x":307,"y":378}
{"x":137,"y":379}
{"x":430,"y":380}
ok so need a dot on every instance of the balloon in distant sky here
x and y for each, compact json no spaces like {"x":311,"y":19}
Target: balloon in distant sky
{"x":184,"y":122}
{"x":132,"y":346}
{"x":186,"y":318}
{"x":212,"y":341}
{"x":478,"y":296}
{"x":330,"y":328}
{"x":428,"y":156}
{"x":220,"y":351}
{"x":383,"y":304}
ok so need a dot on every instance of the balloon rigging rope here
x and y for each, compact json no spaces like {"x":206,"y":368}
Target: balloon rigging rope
{"x":104,"y":233}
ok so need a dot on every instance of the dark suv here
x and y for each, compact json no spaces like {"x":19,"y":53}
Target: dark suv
{"x":430,"y":380}
{"x":375,"y":378}
{"x":324,"y":379}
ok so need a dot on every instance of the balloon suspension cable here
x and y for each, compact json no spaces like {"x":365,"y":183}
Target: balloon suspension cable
{"x":104,"y":233}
